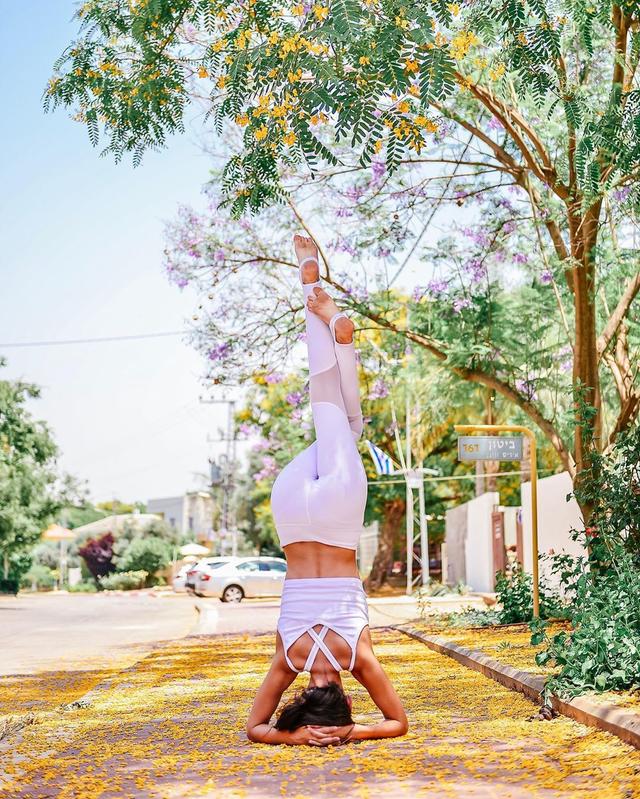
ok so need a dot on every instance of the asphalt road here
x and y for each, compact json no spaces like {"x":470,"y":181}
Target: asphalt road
{"x":51,"y":631}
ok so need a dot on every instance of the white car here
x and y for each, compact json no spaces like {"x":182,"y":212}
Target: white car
{"x":206,"y":564}
{"x":180,"y":578}
{"x":237,"y":578}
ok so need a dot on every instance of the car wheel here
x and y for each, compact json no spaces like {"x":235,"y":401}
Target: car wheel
{"x":232,"y":593}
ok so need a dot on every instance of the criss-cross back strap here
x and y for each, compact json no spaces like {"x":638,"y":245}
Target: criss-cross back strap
{"x":319,"y":644}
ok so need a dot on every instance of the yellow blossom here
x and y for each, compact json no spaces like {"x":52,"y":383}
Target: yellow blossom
{"x":377,"y":146}
{"x":289,"y":139}
{"x":495,"y":73}
{"x":364,"y":60}
{"x":242,"y":120}
{"x":261,"y":133}
{"x":454,"y":8}
{"x":222,"y":81}
{"x":462,"y":43}
{"x":219,"y":45}
{"x":414,"y":90}
{"x":320,"y":12}
{"x":404,"y":107}
{"x":203,"y":72}
{"x":298,"y":10}
{"x":411,"y":65}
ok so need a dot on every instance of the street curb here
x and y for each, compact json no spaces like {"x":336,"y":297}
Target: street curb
{"x":625,"y":724}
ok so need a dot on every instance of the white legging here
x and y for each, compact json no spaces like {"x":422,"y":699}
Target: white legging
{"x":321,"y":494}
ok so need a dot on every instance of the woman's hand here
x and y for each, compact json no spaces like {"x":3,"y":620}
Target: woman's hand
{"x":342,"y":733}
{"x":313,"y":736}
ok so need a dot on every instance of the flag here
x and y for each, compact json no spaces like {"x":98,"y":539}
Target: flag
{"x":382,"y":462}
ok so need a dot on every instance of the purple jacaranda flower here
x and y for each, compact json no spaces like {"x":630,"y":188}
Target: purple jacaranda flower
{"x":378,"y":168}
{"x":181,"y":282}
{"x":478,"y":237}
{"x":437,"y":287}
{"x":460,"y":303}
{"x":546,"y":277}
{"x":620,"y":195}
{"x":418,"y":293}
{"x":219,"y":351}
{"x":377,"y":113}
{"x":306,"y":426}
{"x":245,"y":429}
{"x":269,"y":468}
{"x":261,"y":444}
{"x":219,"y":255}
{"x":294,"y":398}
{"x":354,"y":193}
{"x":509,"y":227}
{"x":475,"y":269}
{"x":301,"y":336}
{"x":495,"y":124}
{"x":343,"y":213}
{"x":383,"y":252}
{"x":565,"y":358}
{"x":526,"y":387}
{"x":408,"y":350}
{"x":296,"y":414}
{"x":520,"y":258}
{"x":274,"y":377}
{"x":379,"y":390}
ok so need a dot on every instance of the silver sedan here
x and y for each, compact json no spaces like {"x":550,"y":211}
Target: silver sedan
{"x":238,"y":578}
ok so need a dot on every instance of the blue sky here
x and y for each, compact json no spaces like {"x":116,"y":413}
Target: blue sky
{"x":81,"y":256}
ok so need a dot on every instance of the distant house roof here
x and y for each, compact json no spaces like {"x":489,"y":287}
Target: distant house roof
{"x":113,"y":524}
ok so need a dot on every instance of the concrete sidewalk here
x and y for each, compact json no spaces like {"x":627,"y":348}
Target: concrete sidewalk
{"x":172,"y":727}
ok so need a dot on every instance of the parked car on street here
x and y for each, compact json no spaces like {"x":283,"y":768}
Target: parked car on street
{"x":180,"y":578}
{"x":195,"y":569}
{"x":238,"y":578}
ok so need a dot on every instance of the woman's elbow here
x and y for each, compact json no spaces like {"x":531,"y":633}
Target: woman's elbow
{"x":252,"y":735}
{"x":403,"y":726}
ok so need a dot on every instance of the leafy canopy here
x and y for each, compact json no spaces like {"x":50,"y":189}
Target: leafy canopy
{"x":376,"y":71}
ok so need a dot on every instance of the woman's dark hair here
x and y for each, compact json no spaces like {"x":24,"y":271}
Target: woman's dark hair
{"x":326,"y":705}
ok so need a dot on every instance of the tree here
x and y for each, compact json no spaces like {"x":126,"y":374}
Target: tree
{"x":98,"y":554}
{"x":545,"y":95}
{"x":27,"y":478}
{"x":149,"y":554}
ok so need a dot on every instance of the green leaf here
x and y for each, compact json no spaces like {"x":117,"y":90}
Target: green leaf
{"x":437,"y":78}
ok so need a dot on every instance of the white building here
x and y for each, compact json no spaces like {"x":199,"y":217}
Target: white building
{"x":190,"y":513}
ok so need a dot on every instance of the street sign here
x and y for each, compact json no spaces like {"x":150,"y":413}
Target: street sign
{"x":490,"y":448}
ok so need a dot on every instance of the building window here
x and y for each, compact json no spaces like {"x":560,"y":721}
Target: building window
{"x":190,"y":522}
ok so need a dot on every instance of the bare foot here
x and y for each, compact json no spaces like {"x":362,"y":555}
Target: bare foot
{"x":305,"y":248}
{"x":322,"y":305}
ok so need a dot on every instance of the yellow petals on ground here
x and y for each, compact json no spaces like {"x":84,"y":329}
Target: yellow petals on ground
{"x":172,"y":727}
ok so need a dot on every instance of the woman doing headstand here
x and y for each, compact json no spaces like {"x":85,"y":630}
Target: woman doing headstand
{"x":318,"y":503}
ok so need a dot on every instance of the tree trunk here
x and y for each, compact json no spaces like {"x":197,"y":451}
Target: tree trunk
{"x":392,"y":513}
{"x":588,"y":410}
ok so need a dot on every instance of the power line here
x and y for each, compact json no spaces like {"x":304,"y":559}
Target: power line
{"x":99,"y":340}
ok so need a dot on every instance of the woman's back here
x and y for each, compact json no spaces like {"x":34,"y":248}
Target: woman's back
{"x":312,"y":559}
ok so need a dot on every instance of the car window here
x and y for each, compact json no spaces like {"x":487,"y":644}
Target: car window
{"x":277,"y":566}
{"x":248,"y":566}
{"x":264,"y":566}
{"x":215,"y":564}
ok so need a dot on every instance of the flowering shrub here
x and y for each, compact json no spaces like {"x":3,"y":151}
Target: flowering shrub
{"x":124,"y":581}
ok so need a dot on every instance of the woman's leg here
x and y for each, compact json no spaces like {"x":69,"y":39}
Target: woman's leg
{"x":338,"y":459}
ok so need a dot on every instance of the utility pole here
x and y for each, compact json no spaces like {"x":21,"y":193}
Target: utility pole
{"x":225,"y":474}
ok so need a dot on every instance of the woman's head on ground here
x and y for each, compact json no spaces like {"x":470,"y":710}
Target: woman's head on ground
{"x":324,"y":705}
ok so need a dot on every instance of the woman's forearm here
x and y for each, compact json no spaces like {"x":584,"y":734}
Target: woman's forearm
{"x":389,"y":728}
{"x":266,"y":734}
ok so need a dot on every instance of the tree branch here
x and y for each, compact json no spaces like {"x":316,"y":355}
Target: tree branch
{"x":619,"y":313}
